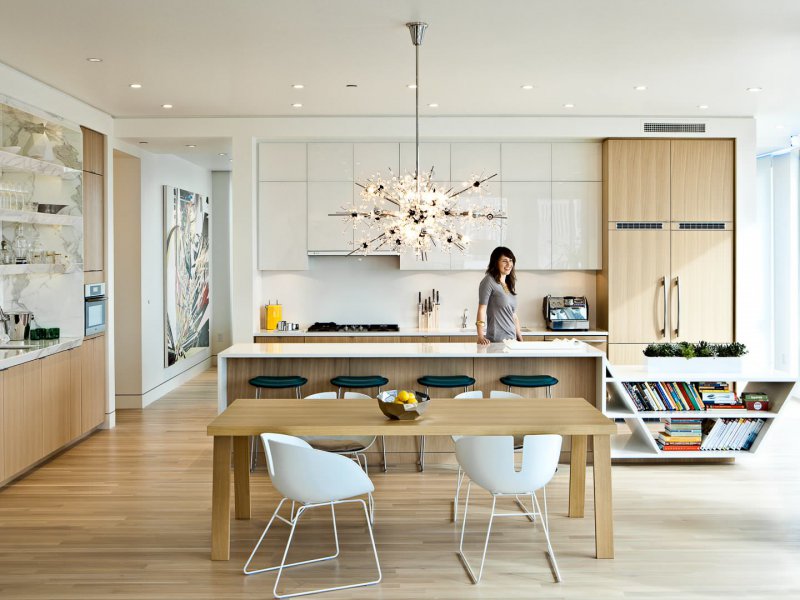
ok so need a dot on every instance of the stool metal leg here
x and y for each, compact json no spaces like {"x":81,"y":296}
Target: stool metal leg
{"x":549,"y":392}
{"x":253,"y":443}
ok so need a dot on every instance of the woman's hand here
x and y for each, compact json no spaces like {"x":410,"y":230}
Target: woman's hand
{"x":482,"y":341}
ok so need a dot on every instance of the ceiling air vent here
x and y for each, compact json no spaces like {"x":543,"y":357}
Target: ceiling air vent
{"x":674,"y":127}
{"x":640,"y":225}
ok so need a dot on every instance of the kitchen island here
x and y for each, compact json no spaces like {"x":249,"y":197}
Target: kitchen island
{"x":579,"y":368}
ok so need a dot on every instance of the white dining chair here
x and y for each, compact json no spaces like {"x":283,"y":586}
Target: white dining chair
{"x":354,"y":446}
{"x":312,"y":478}
{"x":488,"y":461}
{"x":473,"y":395}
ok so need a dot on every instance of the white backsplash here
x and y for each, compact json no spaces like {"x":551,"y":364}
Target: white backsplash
{"x":56,"y":300}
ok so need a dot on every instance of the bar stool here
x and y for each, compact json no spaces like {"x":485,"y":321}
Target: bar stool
{"x":442,"y":382}
{"x":273,"y":382}
{"x":530,"y":381}
{"x":361,"y":382}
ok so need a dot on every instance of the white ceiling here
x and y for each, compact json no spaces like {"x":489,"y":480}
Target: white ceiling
{"x":213,"y":154}
{"x":223,"y":58}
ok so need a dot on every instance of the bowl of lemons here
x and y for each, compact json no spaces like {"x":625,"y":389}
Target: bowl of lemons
{"x":402,"y":404}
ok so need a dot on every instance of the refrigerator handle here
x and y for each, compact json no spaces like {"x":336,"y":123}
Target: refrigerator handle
{"x":678,"y":322}
{"x":664,"y":285}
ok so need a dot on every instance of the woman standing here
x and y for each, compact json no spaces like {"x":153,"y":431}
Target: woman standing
{"x":497,"y":300}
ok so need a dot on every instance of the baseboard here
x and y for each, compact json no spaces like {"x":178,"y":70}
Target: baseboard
{"x":144,"y":400}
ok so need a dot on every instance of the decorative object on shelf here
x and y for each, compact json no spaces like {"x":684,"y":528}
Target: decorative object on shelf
{"x":410,"y":212}
{"x":20,"y":245}
{"x":187,"y":255}
{"x":755,"y":401}
{"x":51,"y":209}
{"x":6,"y":255}
{"x":695,"y":358}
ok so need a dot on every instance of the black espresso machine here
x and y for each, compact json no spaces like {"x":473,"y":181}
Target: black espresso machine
{"x":566,"y":313}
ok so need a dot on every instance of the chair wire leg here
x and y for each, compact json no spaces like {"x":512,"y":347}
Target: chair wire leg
{"x":459,"y":481}
{"x":461,"y":555}
{"x":551,"y":556}
{"x":383,"y":445}
{"x":422,"y":453}
{"x":528,"y":513}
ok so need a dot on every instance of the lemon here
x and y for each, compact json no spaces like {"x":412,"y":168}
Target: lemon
{"x":402,"y":396}
{"x":411,"y":396}
{"x":412,"y":400}
{"x":398,"y":401}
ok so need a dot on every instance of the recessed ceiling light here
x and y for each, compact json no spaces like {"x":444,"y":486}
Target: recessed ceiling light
{"x":231,"y":160}
{"x":527,"y":86}
{"x":298,"y":86}
{"x":755,"y":89}
{"x":433,"y":105}
{"x":640,"y":88}
{"x":143,"y":142}
{"x":191,"y":145}
{"x":222,"y":154}
{"x":135,"y":86}
{"x":702,"y":106}
{"x":778,"y":126}
{"x":93,"y":59}
{"x":166,"y":106}
{"x":351,"y":85}
{"x":569,"y":106}
{"x":297,"y":105}
{"x":412,"y":86}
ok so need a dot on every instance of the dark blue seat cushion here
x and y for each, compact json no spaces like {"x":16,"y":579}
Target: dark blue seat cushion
{"x":359,"y":381}
{"x":278,"y":382}
{"x":529,"y":381}
{"x":446,"y":381}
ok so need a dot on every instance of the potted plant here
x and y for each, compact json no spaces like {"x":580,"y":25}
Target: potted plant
{"x":701,"y":357}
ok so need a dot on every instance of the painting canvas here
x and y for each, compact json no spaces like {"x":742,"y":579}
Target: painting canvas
{"x":187,"y":256}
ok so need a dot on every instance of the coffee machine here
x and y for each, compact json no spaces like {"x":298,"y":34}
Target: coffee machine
{"x":563,"y":313}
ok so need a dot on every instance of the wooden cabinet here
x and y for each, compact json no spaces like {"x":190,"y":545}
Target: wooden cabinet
{"x":93,"y":222}
{"x":638,"y":270}
{"x":626,"y":354}
{"x":75,"y":392}
{"x":94,"y":151}
{"x":636,"y":176}
{"x":22,"y":417}
{"x":56,"y":389}
{"x":702,"y":180}
{"x":2,"y":428}
{"x":701,"y":298}
{"x":93,"y":368}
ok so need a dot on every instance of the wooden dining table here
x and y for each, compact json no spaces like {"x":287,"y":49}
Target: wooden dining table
{"x":574,"y":417}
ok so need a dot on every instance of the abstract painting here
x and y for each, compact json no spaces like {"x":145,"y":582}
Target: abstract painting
{"x":187,"y":257}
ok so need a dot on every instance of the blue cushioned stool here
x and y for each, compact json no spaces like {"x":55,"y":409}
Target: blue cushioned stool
{"x":443,"y":382}
{"x":360,"y":382}
{"x":530,"y":381}
{"x":273,"y":382}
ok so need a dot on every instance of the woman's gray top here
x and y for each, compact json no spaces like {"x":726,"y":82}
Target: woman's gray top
{"x":500,"y":309}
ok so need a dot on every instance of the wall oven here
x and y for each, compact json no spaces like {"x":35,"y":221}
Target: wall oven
{"x":95,"y":311}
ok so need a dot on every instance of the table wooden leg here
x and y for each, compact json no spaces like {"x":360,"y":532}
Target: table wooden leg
{"x":577,"y":476}
{"x":221,"y":500}
{"x":241,"y":476}
{"x":603,"y":514}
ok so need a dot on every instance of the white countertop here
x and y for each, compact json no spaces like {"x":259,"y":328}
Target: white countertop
{"x":412,"y":331}
{"x":751,"y":371}
{"x":12,"y":358}
{"x":405,"y":350}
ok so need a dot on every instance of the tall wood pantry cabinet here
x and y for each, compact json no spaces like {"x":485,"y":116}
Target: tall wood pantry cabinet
{"x":668,"y":245}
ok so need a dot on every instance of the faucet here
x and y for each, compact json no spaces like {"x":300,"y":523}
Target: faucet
{"x":464,"y":319}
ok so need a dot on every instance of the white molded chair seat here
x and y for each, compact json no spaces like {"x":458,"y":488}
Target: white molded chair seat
{"x":314,"y":479}
{"x":489,"y":462}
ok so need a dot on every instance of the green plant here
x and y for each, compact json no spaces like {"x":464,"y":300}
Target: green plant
{"x":731,"y":350}
{"x":701,"y":349}
{"x":686,"y":350}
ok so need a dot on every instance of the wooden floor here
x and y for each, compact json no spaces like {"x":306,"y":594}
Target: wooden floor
{"x":125,"y":514}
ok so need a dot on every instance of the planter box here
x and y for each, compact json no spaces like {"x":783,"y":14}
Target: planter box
{"x":693,"y":365}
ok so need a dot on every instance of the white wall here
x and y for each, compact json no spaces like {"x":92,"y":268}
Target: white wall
{"x":221,"y":334}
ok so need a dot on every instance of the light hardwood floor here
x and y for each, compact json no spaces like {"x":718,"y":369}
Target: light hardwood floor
{"x":126,"y":514}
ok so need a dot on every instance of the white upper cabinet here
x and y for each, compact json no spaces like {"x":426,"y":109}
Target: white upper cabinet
{"x":528,"y":227}
{"x":473,"y":160}
{"x":525,"y":162}
{"x":433,"y":155}
{"x":330,"y":162}
{"x":483,"y":237}
{"x":370,"y":159}
{"x":326,"y":233}
{"x":577,"y":226}
{"x":281,"y":226}
{"x":281,"y":162}
{"x":578,"y":161}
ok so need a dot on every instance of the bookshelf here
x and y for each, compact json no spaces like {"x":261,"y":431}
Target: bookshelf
{"x":640,"y":441}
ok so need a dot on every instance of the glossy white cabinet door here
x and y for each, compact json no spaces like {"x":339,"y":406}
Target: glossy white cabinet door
{"x":282,"y":226}
{"x":473,"y":160}
{"x":325,"y":233}
{"x":528,"y":226}
{"x":281,"y":162}
{"x":483,"y":239}
{"x":433,"y":155}
{"x":578,"y":161}
{"x":370,"y":159}
{"x":525,"y":162}
{"x":577,"y":227}
{"x":330,"y":162}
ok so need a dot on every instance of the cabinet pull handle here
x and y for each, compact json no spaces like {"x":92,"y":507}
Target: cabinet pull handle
{"x":678,"y":323}
{"x":664,"y":285}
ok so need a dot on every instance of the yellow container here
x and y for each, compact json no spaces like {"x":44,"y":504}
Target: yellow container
{"x":272,"y":314}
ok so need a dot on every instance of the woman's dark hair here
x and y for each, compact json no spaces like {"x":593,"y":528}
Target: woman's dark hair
{"x":511,"y":278}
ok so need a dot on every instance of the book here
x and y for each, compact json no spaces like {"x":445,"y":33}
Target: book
{"x":719,"y":397}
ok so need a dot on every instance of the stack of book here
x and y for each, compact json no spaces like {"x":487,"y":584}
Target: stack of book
{"x":718,"y":396}
{"x":731,"y":434}
{"x":664,"y":396}
{"x":681,"y":435}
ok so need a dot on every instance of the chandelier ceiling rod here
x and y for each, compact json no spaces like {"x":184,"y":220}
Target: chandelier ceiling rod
{"x":417,"y":31}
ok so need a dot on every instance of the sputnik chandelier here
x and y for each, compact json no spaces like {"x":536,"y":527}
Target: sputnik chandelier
{"x":410,"y":212}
